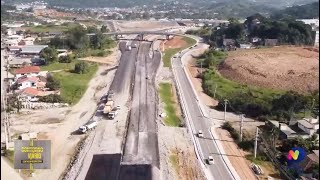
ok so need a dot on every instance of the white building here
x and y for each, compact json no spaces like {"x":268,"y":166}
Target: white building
{"x":309,"y":126}
{"x":314,"y":23}
{"x":316,"y":40}
{"x":26,"y":82}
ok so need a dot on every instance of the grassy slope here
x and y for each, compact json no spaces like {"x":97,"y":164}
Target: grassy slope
{"x":73,"y":85}
{"x":170,"y":52}
{"x":167,"y":97}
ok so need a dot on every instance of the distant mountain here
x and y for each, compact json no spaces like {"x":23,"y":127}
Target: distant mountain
{"x":129,"y":3}
{"x":307,"y":11}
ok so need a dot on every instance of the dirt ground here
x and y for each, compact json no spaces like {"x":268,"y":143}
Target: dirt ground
{"x":235,"y":155}
{"x":144,"y":25}
{"x":176,"y":42}
{"x":109,"y":60}
{"x":58,"y":124}
{"x":176,"y":142}
{"x":284,"y":68}
{"x":239,"y":161}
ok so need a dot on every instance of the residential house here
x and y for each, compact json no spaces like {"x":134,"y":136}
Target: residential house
{"x":13,"y":49}
{"x":32,"y":82}
{"x":29,"y":71}
{"x":30,"y":94}
{"x":245,"y":46}
{"x":310,"y":160}
{"x":31,"y":50}
{"x":309,"y":126}
{"x":271,"y":42}
{"x":285,"y":131}
{"x":307,"y":165}
{"x":229,"y":42}
{"x":303,"y":128}
{"x":17,"y":62}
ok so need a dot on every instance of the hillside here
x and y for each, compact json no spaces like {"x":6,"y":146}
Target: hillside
{"x":130,"y":3}
{"x":307,"y":11}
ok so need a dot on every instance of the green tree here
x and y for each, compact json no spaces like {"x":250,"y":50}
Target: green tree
{"x":81,"y":67}
{"x":104,"y":29}
{"x":49,"y":54}
{"x":52,"y":83}
{"x":77,"y":38}
{"x":66,"y":59}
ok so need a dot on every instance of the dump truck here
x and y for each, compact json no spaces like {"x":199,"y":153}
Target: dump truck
{"x":128,"y":48}
{"x":108,"y":107}
{"x":90,"y":125}
{"x":112,"y":114}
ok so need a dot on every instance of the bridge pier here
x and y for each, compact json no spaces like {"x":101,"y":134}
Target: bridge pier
{"x":167,"y":37}
{"x":116,"y":36}
{"x":141,"y":37}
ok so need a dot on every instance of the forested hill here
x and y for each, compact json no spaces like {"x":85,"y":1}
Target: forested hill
{"x":307,"y":11}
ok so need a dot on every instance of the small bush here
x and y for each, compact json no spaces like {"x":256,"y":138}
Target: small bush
{"x":52,"y":83}
{"x":65,"y":59}
{"x":246,"y":145}
{"x":81,"y":67}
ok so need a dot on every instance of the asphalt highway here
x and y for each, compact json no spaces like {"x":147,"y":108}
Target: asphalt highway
{"x":207,"y":146}
{"x":141,"y":143}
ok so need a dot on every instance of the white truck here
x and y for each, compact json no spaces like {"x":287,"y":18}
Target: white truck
{"x":128,"y":48}
{"x":112,"y":114}
{"x":90,"y":125}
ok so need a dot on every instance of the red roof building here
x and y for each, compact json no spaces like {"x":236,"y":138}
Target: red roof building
{"x":28,"y":70}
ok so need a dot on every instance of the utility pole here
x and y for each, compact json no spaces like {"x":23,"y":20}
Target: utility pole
{"x":241,"y":125}
{"x":256,"y":143}
{"x":201,"y":67}
{"x":215,"y":90}
{"x":225,"y":109}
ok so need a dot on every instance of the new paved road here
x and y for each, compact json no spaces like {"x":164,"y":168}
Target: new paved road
{"x":207,"y":146}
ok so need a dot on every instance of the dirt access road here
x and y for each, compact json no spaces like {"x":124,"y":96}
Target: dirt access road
{"x":283,"y":68}
{"x":58,"y":124}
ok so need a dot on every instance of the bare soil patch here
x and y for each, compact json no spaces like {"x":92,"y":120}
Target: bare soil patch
{"x":283,"y":68}
{"x":108,"y":60}
{"x":176,"y":42}
{"x":235,"y":155}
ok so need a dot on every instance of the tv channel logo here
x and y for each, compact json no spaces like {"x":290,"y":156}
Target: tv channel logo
{"x":296,"y":154}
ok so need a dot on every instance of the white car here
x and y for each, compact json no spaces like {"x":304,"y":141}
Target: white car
{"x":118,"y":107}
{"x":200,"y":134}
{"x":210,"y":160}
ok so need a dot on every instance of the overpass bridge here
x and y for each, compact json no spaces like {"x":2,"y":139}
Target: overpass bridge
{"x":141,"y":33}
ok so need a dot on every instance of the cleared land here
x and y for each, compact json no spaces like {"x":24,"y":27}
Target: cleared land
{"x":283,"y":68}
{"x":144,"y":25}
{"x":173,"y":46}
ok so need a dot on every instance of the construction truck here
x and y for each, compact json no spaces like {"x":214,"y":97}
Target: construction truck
{"x":128,"y":48}
{"x":90,"y":125}
{"x":108,"y":107}
{"x":112,"y":114}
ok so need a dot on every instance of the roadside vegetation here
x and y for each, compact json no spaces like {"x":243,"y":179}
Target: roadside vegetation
{"x":253,"y":101}
{"x":168,"y":53}
{"x":166,"y":96}
{"x":51,"y":28}
{"x":83,"y":45}
{"x":73,"y":84}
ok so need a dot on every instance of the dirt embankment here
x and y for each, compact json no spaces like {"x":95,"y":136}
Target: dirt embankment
{"x":283,"y":68}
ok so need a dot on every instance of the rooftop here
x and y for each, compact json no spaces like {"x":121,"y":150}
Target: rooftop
{"x":23,"y":79}
{"x":308,"y":123}
{"x":28,"y":69}
{"x":31,"y":91}
{"x":15,"y":61}
{"x":33,"y":48}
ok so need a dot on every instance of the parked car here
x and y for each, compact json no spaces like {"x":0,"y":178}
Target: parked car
{"x":200,"y":134}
